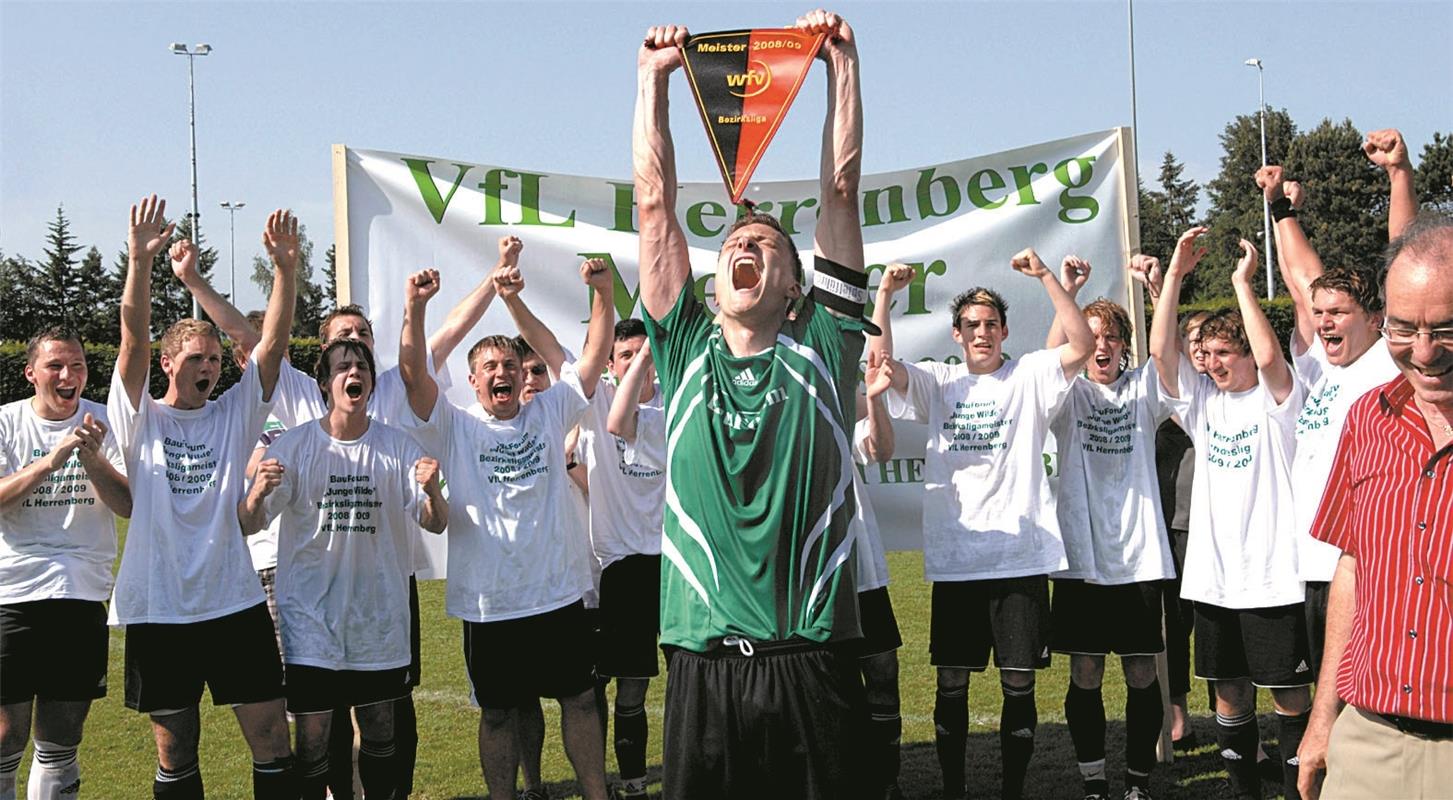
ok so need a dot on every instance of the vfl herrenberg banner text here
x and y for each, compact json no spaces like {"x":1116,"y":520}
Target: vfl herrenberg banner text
{"x":957,"y":223}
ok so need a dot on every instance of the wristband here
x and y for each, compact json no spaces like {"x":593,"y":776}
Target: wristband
{"x":1281,"y":209}
{"x":841,"y":289}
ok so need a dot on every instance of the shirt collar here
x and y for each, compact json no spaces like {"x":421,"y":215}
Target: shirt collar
{"x":1393,"y":397}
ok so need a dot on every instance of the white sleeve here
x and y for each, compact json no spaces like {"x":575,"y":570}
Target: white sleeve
{"x":1051,"y":385}
{"x":124,"y":418}
{"x":1192,"y":387}
{"x":568,"y":397}
{"x":297,"y":400}
{"x":923,"y":389}
{"x":434,"y":434}
{"x":1310,"y":366}
{"x":1159,"y":404}
{"x":1285,"y":414}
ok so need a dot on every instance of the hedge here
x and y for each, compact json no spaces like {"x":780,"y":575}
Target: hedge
{"x":304,"y":352}
{"x":101,"y":360}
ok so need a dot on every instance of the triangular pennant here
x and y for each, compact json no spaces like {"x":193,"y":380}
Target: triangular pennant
{"x":744,"y":82}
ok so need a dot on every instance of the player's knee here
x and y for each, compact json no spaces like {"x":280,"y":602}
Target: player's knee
{"x":952,"y":680}
{"x":1017,"y":678}
{"x":1139,"y":671}
{"x":1295,"y":700}
{"x":631,"y":692}
{"x":1087,"y":672}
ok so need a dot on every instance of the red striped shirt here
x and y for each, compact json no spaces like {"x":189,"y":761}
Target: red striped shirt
{"x":1389,"y":504}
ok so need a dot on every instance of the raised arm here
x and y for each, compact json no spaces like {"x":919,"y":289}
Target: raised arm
{"x":1299,"y":264}
{"x":148,"y":234}
{"x":625,"y":407}
{"x":423,"y":392}
{"x":665,"y":264}
{"x":1165,"y":346}
{"x":839,"y":235}
{"x":280,"y":238}
{"x":896,"y":276}
{"x":1080,"y":343}
{"x":879,"y":444}
{"x":1073,"y":272}
{"x":600,"y":335}
{"x":251,"y":514}
{"x":226,"y":316}
{"x":1264,"y":346}
{"x":434,"y":513}
{"x":464,"y":316}
{"x":509,"y":282}
{"x":1387,"y":149}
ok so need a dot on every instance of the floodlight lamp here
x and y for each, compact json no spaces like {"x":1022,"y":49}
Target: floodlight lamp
{"x":1253,"y":62}
{"x":203,"y":49}
{"x":179,"y":48}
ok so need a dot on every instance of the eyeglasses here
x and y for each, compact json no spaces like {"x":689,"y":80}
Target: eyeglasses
{"x":1403,"y":334}
{"x":538,"y":370}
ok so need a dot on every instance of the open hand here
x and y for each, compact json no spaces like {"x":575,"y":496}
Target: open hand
{"x":280,"y":237}
{"x":1188,"y":252}
{"x":1246,"y":265}
{"x":149,"y":230}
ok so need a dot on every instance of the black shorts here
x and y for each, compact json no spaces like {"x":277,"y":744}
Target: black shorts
{"x":235,"y":656}
{"x":1316,"y":603}
{"x":515,"y":661}
{"x":1266,"y":645}
{"x":1091,"y":619}
{"x":416,"y":664}
{"x":880,"y":626}
{"x":786,"y":722}
{"x":54,"y":650}
{"x":316,"y":690}
{"x":1008,"y":615}
{"x":630,"y":617}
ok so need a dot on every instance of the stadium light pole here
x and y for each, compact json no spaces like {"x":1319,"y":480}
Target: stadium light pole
{"x":200,"y":50}
{"x":232,"y":208}
{"x":1266,"y":241}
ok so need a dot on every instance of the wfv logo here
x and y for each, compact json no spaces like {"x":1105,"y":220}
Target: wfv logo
{"x":754,"y":81}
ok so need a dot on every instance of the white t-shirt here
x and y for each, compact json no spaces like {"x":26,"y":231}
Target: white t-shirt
{"x":1331,"y":391}
{"x":872,"y":563}
{"x":59,"y":541}
{"x":300,"y":401}
{"x":987,"y":509}
{"x":185,"y":558}
{"x":346,"y":510}
{"x":1241,"y":550}
{"x":626,"y":499}
{"x":510,"y":554}
{"x":1108,"y":498}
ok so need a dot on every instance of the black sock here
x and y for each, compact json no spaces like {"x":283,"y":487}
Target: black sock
{"x":630,"y":741}
{"x":885,"y":732}
{"x":340,"y":754}
{"x":273,"y":779}
{"x":406,"y":743}
{"x":1290,"y":729}
{"x":183,"y":783}
{"x":1144,"y":715}
{"x":313,"y":778}
{"x":1238,"y":739}
{"x":1017,"y":722}
{"x":951,"y":736}
{"x":376,"y":770}
{"x":1085,"y":715}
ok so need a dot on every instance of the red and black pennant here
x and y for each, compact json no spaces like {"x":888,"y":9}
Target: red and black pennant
{"x":744,"y":82}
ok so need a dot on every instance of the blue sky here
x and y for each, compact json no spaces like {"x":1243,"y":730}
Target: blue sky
{"x":93,"y":107}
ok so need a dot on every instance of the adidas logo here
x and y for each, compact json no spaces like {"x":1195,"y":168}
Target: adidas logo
{"x":745,"y":378}
{"x":1302,"y":667}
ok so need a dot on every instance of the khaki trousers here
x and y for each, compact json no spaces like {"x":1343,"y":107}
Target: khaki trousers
{"x":1369,"y":758}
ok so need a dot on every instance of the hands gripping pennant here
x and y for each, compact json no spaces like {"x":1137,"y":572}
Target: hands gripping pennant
{"x":744,"y":82}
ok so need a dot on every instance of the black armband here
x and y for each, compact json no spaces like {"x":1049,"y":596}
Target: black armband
{"x":841,"y":289}
{"x":1281,"y":209}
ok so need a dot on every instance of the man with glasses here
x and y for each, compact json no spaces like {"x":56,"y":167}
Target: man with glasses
{"x":1389,"y":509}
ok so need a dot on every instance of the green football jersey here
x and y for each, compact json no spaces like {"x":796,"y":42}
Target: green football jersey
{"x":759,"y":491}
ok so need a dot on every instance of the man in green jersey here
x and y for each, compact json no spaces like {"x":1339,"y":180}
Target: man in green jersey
{"x":758,"y":589}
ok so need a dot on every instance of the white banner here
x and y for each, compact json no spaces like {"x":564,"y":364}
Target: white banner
{"x":957,"y":223}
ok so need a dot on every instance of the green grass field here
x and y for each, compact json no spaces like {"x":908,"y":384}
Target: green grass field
{"x":118,"y":756}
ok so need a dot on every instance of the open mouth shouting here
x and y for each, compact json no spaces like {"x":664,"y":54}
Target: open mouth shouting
{"x":67,"y":393}
{"x":353,"y":387}
{"x":204,"y":385}
{"x":746,"y":273}
{"x":1102,"y":361}
{"x":501,"y":391}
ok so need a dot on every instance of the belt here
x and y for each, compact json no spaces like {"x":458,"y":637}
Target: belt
{"x":1422,"y":728}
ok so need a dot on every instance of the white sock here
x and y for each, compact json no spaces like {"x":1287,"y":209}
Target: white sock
{"x":54,"y":773}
